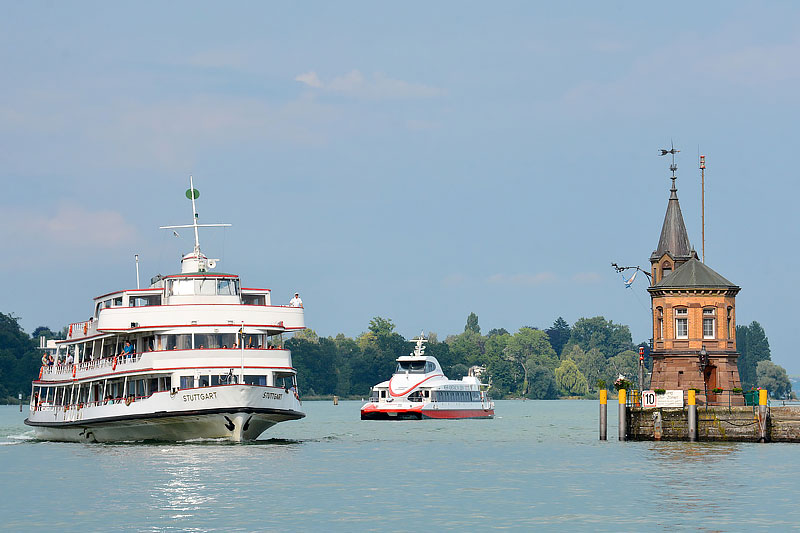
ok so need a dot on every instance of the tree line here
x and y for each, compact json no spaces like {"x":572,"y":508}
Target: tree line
{"x":558,"y":361}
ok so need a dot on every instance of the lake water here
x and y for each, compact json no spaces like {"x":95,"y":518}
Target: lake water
{"x":539,"y":464}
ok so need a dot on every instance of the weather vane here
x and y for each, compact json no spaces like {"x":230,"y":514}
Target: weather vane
{"x":673,"y":167}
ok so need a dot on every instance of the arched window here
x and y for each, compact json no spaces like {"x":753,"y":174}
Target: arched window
{"x":681,"y":323}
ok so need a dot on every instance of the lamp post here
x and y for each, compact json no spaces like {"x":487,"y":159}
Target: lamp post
{"x":703,"y":357}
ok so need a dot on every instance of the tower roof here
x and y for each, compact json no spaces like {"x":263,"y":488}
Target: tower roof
{"x":674,"y":238}
{"x":694,"y":274}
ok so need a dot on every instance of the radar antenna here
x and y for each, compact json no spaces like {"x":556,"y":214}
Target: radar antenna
{"x":193,"y":194}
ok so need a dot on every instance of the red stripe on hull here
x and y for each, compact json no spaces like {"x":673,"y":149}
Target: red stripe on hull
{"x":458,"y":413}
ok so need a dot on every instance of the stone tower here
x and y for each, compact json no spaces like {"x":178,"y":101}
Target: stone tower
{"x":694,"y":315}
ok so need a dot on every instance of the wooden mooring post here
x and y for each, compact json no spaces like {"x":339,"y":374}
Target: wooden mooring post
{"x":762,"y":415}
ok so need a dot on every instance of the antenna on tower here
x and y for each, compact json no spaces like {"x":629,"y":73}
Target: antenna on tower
{"x":703,"y":203}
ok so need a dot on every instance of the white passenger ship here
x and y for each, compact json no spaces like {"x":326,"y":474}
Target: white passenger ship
{"x":419,"y":389}
{"x":206,"y":360}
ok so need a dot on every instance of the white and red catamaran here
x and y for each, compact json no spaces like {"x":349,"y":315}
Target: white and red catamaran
{"x":419,"y":389}
{"x":195,"y":355}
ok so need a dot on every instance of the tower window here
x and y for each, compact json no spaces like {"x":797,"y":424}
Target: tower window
{"x":709,"y":322}
{"x":660,"y":323}
{"x":681,"y":323}
{"x":666,"y":269}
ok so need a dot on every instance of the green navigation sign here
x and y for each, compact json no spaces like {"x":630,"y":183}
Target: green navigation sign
{"x":192,"y":194}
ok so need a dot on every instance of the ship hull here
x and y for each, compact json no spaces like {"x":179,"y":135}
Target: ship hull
{"x":372,"y":412}
{"x":143,"y":420}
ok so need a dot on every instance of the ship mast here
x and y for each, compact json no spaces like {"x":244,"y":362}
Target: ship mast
{"x":193,"y":194}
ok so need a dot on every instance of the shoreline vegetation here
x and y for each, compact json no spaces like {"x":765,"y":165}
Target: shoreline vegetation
{"x":560,"y":361}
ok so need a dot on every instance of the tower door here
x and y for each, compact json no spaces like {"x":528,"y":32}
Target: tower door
{"x":710,"y":379}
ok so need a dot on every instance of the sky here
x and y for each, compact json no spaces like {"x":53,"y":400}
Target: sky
{"x":416,"y":161}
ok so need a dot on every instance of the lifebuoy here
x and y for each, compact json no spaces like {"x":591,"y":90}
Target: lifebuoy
{"x":128,"y":400}
{"x":85,"y":328}
{"x":114,"y":366}
{"x":74,"y":370}
{"x":40,"y":372}
{"x":70,"y":331}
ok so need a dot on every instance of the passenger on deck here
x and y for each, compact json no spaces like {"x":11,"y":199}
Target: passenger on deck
{"x":127,"y":351}
{"x":296,"y":301}
{"x":51,"y":360}
{"x":45,"y":358}
{"x":224,"y":346}
{"x":235,"y":346}
{"x":69,"y":360}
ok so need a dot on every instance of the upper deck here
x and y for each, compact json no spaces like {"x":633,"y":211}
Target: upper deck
{"x":196,"y":298}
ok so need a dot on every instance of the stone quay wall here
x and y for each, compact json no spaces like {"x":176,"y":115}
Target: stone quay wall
{"x":735,"y":424}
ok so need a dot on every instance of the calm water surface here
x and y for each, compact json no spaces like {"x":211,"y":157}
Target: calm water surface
{"x":537,"y":465}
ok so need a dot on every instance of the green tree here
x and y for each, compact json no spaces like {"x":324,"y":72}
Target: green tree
{"x":381,"y":326}
{"x":497,"y":331}
{"x":472,"y":324}
{"x":592,"y":364}
{"x":558,"y":334}
{"x":466,"y":348}
{"x":530,"y":347}
{"x":753,"y":347}
{"x":19,"y":360}
{"x":542,"y":383}
{"x":602,"y":334}
{"x":625,"y":363}
{"x":773,"y":378}
{"x":570,"y":380}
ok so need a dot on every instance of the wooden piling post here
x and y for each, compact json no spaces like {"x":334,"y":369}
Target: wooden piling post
{"x":335,"y":400}
{"x":623,"y":433}
{"x":603,"y":414}
{"x":762,"y":415}
{"x":691,"y":400}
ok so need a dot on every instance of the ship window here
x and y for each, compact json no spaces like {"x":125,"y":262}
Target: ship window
{"x":117,"y":301}
{"x":383,"y":394}
{"x":206,"y":287}
{"x":412,"y":367}
{"x":256,"y":380}
{"x":187,"y":382}
{"x":227,"y":287}
{"x":204,"y":381}
{"x":145,"y":301}
{"x":254,"y":299}
{"x":177,"y":342}
{"x":253,"y":340}
{"x":283,"y":379}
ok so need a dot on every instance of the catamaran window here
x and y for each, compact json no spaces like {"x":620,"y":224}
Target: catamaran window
{"x":187,"y":382}
{"x":256,"y":380}
{"x":412,"y":367}
{"x":429,"y":367}
{"x":383,"y":394}
{"x":254,"y":299}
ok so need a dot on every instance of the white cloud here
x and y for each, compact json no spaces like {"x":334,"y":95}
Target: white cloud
{"x":309,"y":78}
{"x":523,"y":280}
{"x":378,"y":86}
{"x":71,"y":231}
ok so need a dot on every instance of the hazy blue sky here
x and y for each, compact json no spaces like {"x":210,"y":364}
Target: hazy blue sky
{"x":417,"y":161}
